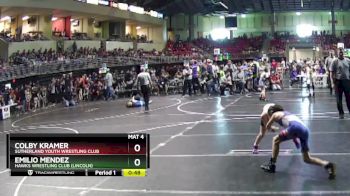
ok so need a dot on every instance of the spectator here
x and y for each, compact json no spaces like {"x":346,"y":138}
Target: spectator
{"x":195,"y":75}
{"x":222,"y":81}
{"x":275,"y":81}
{"x":328,"y":63}
{"x":187,"y":73}
{"x":241,"y":80}
{"x":68,"y":98}
{"x":109,"y":85}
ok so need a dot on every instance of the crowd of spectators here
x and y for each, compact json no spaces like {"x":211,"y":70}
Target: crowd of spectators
{"x":6,"y":35}
{"x":207,"y":77}
{"x":306,"y":67}
{"x":277,"y":46}
{"x":35,"y":57}
{"x":75,"y":36}
{"x":241,"y":47}
{"x":25,"y":37}
{"x":64,"y":89}
{"x":135,"y":53}
{"x":250,"y":45}
{"x":21,"y":61}
{"x":324,"y":39}
{"x":130,"y":38}
{"x":40,"y":56}
{"x":181,"y":48}
{"x":201,"y":75}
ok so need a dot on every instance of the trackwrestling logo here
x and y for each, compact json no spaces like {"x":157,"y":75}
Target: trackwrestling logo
{"x":30,"y":172}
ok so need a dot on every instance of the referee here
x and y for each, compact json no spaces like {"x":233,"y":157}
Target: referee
{"x":145,"y":82}
{"x":340,"y":72}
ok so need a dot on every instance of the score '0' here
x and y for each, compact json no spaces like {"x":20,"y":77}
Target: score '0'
{"x":137,"y":148}
{"x":137,"y":162}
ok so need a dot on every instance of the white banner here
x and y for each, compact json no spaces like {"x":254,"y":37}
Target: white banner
{"x":5,"y":111}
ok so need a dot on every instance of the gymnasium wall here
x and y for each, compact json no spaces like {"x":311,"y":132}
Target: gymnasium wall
{"x":300,"y":54}
{"x":82,"y":43}
{"x":83,"y":8}
{"x":77,"y":28}
{"x":36,"y":45}
{"x":151,"y":46}
{"x":259,"y":22}
{"x":111,"y":45}
{"x":157,"y":34}
{"x":27,"y":26}
{"x":45,"y":25}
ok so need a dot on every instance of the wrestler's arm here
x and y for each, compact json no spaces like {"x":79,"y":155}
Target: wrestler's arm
{"x":265,"y":119}
{"x":271,"y":121}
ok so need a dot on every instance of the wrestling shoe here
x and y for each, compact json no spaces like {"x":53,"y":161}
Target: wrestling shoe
{"x":330,"y":167}
{"x":270,"y":167}
{"x":341,"y":116}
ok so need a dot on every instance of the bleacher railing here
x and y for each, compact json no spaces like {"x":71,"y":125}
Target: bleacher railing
{"x":33,"y":68}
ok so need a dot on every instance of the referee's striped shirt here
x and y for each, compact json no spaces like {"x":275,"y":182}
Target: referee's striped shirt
{"x":144,"y":79}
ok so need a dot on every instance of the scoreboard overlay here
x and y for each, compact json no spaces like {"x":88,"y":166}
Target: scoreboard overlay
{"x":78,"y":154}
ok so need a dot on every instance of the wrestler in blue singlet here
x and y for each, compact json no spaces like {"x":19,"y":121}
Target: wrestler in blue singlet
{"x":294,"y":128}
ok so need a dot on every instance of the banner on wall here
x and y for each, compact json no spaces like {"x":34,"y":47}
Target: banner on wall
{"x":340,"y":45}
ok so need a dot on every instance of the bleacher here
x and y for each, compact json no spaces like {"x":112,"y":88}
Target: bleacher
{"x":277,"y":46}
{"x":239,"y":48}
{"x":26,"y":70}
